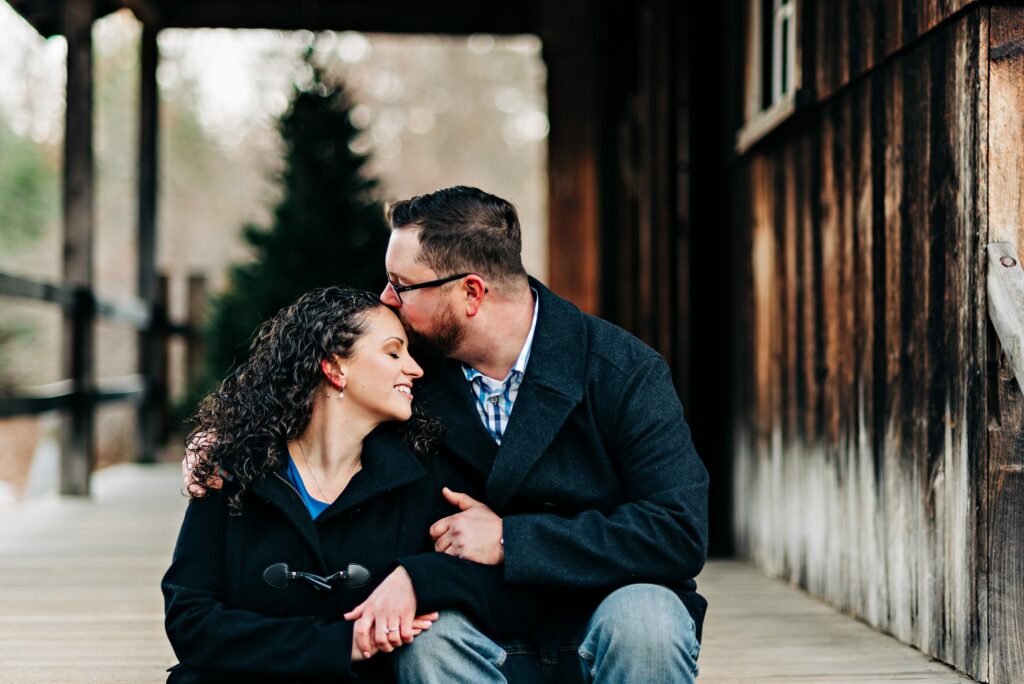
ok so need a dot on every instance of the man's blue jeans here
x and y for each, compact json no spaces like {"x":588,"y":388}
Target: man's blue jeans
{"x":639,"y":633}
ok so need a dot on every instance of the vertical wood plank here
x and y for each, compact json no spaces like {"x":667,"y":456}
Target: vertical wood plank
{"x":573,"y":204}
{"x":77,"y":430}
{"x":196,"y":316}
{"x":846,"y":312}
{"x":975,"y":377}
{"x":898,"y":576}
{"x":1006,"y":402}
{"x":149,"y":340}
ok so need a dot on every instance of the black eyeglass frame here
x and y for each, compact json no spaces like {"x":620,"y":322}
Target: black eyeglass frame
{"x":399,"y":289}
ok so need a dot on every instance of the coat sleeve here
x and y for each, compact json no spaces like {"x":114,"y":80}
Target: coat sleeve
{"x":228,"y":644}
{"x":444,"y":582}
{"x":658,"y":533}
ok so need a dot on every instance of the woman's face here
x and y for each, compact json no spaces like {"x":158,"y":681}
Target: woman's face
{"x":379,"y":374}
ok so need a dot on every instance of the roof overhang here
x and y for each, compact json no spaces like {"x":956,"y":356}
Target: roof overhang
{"x":374,"y":16}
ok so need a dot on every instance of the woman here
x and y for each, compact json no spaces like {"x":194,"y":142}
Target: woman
{"x":331,"y":480}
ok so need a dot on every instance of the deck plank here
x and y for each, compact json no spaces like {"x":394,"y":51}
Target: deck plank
{"x":80,"y":602}
{"x":763,"y":630}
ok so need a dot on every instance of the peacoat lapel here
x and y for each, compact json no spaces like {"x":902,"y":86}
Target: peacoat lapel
{"x":275,"y":489}
{"x":552,"y":387}
{"x":449,"y":398}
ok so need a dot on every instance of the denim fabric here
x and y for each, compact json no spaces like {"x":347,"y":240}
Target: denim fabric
{"x":639,"y":633}
{"x":453,"y":650}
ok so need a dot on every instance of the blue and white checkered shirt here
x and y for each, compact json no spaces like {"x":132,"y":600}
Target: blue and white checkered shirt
{"x":494,"y":398}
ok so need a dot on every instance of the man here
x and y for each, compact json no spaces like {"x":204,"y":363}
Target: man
{"x":590,"y":488}
{"x":592,"y":482}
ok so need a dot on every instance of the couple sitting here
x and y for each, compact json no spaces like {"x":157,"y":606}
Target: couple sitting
{"x":356,"y":535}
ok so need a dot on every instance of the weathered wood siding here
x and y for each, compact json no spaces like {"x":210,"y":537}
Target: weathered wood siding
{"x":1004,"y":492}
{"x":862,"y":398}
{"x":851,"y":37}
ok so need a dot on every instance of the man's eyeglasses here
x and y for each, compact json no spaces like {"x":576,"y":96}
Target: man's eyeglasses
{"x":399,"y":289}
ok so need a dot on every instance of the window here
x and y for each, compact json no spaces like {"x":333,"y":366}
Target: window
{"x":770,"y":72}
{"x":783,"y":50}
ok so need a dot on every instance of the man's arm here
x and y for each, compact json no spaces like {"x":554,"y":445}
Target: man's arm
{"x":658,"y":535}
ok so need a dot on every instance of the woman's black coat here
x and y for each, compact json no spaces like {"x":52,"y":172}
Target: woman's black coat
{"x":226,"y":623}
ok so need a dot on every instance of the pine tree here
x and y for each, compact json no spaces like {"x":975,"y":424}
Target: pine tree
{"x":327,"y":229}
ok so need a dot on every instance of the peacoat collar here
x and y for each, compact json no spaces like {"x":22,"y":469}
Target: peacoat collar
{"x":552,"y":388}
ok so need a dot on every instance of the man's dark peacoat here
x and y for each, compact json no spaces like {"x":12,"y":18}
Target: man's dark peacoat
{"x":596,"y":477}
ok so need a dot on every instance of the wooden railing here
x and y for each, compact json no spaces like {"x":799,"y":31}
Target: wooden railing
{"x":79,"y":394}
{"x":1006,"y":303}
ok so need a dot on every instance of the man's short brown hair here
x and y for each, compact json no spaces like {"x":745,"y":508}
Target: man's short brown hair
{"x":463,"y":230}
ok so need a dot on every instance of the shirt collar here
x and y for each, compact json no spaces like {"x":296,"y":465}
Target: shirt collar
{"x":524,"y":354}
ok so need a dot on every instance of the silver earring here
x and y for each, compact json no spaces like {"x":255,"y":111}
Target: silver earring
{"x":341,"y":394}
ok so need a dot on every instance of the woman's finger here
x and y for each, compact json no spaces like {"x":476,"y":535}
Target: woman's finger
{"x":356,"y":612}
{"x":420,"y":625}
{"x":394,"y":632}
{"x":362,"y":632}
{"x":381,"y":638}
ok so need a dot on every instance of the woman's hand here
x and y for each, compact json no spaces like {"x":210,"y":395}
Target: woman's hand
{"x":386,"y":619}
{"x":419,"y":625}
{"x":196,"y":450}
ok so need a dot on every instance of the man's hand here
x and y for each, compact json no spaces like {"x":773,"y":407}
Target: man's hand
{"x":194,"y":450}
{"x":385,"y":620}
{"x":475,"y":533}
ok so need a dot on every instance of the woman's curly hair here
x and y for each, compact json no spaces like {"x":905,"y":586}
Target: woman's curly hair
{"x":269,"y":399}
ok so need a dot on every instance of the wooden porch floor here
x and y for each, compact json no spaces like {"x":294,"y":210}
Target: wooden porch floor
{"x":80,"y":602}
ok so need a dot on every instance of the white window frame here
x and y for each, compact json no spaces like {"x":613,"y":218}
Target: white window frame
{"x":771,"y":73}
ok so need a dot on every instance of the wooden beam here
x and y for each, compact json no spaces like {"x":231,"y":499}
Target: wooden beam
{"x":387,"y":16}
{"x":150,"y":338}
{"x":574,"y":233}
{"x":77,"y":429}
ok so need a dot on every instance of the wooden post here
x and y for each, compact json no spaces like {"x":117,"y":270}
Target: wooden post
{"x":160,"y":382}
{"x":571,"y":54}
{"x":77,"y":428}
{"x":197,"y":299}
{"x":150,"y":421}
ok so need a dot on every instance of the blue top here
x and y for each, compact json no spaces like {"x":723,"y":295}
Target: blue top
{"x":314,"y":506}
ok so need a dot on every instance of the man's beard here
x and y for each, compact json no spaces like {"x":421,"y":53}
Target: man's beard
{"x":441,"y":342}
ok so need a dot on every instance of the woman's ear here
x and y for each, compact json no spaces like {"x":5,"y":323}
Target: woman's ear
{"x":334,"y":372}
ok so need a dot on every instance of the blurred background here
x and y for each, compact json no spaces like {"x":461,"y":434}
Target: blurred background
{"x":428,"y":112}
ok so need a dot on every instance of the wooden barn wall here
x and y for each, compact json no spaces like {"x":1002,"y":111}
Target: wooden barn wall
{"x":861,"y":400}
{"x":1005,"y":488}
{"x":851,"y":37}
